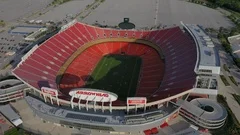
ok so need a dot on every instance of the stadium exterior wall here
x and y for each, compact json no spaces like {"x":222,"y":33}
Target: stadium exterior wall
{"x":13,"y":93}
{"x":137,"y":128}
{"x":61,"y":101}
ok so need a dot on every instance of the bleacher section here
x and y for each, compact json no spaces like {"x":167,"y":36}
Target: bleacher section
{"x":158,"y":80}
{"x":85,"y":63}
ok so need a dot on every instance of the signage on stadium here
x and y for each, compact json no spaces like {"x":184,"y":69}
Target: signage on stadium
{"x":136,"y":100}
{"x":93,"y":95}
{"x":50,"y":91}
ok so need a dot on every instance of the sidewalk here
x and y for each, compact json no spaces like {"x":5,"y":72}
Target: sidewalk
{"x":227,"y":92}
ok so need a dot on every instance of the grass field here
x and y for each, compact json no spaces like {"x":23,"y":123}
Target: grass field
{"x":15,"y":131}
{"x":233,"y":80}
{"x":224,"y":80}
{"x":237,"y":98}
{"x":116,"y":73}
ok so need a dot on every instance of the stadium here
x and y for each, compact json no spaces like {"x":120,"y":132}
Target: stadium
{"x":114,"y":80}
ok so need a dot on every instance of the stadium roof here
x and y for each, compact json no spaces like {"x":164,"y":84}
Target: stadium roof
{"x":35,"y":35}
{"x":8,"y":112}
{"x":194,"y":107}
{"x":208,"y":54}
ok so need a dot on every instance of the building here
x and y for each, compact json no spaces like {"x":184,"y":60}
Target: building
{"x":172,"y":67}
{"x":11,"y":90}
{"x":208,"y":64}
{"x":36,"y":35}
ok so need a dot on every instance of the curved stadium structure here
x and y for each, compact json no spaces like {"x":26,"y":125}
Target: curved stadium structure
{"x":164,"y":73}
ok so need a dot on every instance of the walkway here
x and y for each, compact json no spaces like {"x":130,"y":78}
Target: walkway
{"x":227,"y":91}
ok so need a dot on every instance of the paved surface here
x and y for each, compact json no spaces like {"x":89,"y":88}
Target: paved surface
{"x":10,"y":45}
{"x":65,"y":10}
{"x":9,"y":9}
{"x":151,"y":12}
{"x":9,"y":12}
{"x":4,"y":124}
{"x":236,"y":74}
{"x":227,"y":91}
{"x":232,"y":103}
{"x":35,"y":124}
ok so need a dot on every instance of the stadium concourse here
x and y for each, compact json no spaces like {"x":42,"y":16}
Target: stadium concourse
{"x":77,"y":70}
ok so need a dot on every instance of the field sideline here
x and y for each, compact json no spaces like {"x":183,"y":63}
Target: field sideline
{"x":118,"y":74}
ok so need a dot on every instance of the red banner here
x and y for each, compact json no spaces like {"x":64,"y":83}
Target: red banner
{"x":136,"y":101}
{"x":49,"y":91}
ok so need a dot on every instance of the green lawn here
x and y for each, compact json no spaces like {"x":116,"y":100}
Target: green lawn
{"x":237,"y":98}
{"x":225,"y":68}
{"x":233,"y":80}
{"x":116,"y":73}
{"x":15,"y":131}
{"x":224,"y":80}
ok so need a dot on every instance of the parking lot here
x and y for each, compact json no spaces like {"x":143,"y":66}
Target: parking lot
{"x":65,"y":11}
{"x":9,"y":9}
{"x":147,"y":13}
{"x":10,"y":45}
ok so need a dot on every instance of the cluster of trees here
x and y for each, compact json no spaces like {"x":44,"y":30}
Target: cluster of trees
{"x":56,"y":2}
{"x":237,"y":61}
{"x":222,"y":36}
{"x":2,"y":23}
{"x":99,"y":0}
{"x":231,"y":126}
{"x":230,"y":4}
{"x":223,"y":39}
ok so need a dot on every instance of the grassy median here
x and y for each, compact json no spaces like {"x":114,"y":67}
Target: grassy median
{"x":233,"y":80}
{"x":224,"y":80}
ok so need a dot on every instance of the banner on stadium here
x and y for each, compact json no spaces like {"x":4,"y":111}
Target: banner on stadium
{"x":93,"y":95}
{"x":49,"y":91}
{"x":136,"y":100}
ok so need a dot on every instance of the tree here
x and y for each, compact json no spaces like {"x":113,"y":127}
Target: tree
{"x":233,"y":31}
{"x":238,"y":60}
{"x":221,"y":29}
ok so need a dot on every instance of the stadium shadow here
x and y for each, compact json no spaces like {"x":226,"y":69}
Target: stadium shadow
{"x":87,"y":78}
{"x":116,"y":78}
{"x":68,"y":82}
{"x":43,"y":84}
{"x":116,"y":73}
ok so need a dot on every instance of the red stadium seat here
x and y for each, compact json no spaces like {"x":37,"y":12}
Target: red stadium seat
{"x":165,"y":124}
{"x":148,"y":132}
{"x":175,"y":74}
{"x":154,"y":130}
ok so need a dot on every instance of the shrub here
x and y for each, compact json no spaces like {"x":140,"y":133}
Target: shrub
{"x":233,"y":80}
{"x":224,"y":80}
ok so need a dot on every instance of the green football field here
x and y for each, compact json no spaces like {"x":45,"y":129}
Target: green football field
{"x":116,"y":73}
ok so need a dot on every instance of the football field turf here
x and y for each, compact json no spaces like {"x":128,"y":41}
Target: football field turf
{"x":116,"y":73}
